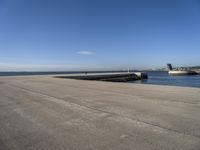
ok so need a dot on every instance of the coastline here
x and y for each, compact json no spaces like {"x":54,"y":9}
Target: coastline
{"x":45,"y":112}
{"x":154,"y":77}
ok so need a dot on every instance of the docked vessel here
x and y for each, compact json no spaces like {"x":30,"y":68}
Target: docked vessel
{"x":171,"y":71}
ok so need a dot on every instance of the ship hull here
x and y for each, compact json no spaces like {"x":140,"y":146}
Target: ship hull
{"x":182,"y":72}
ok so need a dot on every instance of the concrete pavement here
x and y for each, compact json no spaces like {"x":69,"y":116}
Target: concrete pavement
{"x":45,"y":113}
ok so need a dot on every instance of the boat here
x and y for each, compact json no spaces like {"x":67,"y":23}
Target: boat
{"x":180,"y":71}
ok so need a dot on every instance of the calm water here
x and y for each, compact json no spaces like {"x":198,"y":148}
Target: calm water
{"x":155,"y":77}
{"x":162,"y":78}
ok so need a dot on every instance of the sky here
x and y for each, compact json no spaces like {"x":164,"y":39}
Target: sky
{"x":62,"y":35}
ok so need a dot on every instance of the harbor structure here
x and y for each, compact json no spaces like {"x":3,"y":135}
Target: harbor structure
{"x":42,"y":112}
{"x":114,"y":77}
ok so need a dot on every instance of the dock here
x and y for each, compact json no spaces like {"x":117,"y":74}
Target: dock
{"x":48,"y":113}
{"x":114,"y":77}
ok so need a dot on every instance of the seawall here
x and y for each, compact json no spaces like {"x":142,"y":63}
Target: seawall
{"x":116,"y":77}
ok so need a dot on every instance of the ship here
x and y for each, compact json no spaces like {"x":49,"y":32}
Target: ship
{"x":180,"y":71}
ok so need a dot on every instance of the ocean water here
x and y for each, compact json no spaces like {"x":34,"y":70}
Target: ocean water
{"x":48,"y":73}
{"x":154,"y":77}
{"x":33,"y":73}
{"x":162,"y":78}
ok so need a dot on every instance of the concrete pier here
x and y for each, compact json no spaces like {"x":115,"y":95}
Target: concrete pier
{"x":115,"y":77}
{"x":46,"y":113}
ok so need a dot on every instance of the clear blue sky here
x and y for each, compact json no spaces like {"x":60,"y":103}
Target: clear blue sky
{"x":87,"y":34}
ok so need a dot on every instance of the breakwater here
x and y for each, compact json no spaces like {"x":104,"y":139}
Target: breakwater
{"x":115,"y":77}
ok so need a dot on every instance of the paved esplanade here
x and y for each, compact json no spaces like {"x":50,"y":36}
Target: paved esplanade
{"x":45,"y":113}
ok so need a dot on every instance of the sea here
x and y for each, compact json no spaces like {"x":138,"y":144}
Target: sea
{"x":154,"y":77}
{"x":163,"y":78}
